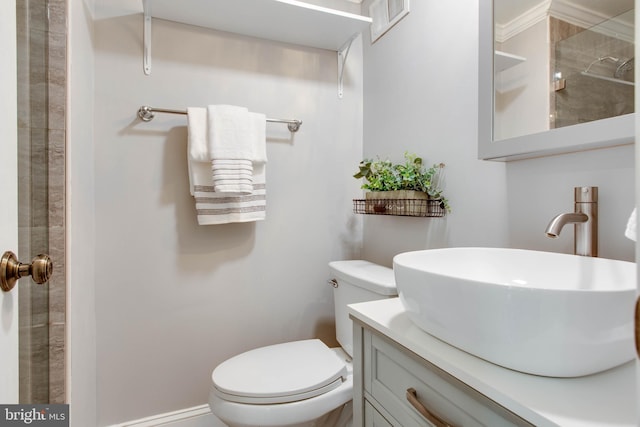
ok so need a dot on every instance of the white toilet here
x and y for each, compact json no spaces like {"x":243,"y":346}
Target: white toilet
{"x":300,"y":383}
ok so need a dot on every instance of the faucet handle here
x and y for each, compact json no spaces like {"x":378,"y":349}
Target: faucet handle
{"x":585,"y":194}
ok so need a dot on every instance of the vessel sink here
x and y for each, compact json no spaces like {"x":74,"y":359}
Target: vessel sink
{"x":541,"y":313}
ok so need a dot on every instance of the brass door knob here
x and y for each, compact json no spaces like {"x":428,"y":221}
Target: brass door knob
{"x":11,"y":270}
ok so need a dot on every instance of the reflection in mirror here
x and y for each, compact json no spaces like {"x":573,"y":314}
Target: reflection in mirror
{"x":559,"y":64}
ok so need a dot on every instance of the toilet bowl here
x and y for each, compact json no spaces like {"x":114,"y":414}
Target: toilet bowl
{"x":300,"y":383}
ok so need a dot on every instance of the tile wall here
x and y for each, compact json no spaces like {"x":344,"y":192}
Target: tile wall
{"x":584,"y":98}
{"x":41,"y":30}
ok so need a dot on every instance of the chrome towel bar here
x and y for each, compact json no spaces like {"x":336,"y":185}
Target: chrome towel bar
{"x":147,"y":113}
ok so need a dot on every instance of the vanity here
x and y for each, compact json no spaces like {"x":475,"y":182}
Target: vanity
{"x":406,"y":377}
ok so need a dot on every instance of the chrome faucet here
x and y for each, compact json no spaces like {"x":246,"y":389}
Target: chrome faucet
{"x":585,"y":220}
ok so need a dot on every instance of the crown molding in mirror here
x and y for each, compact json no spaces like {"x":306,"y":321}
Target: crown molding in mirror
{"x":586,"y":136}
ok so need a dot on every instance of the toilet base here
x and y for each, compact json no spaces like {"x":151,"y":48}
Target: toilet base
{"x":339,"y":417}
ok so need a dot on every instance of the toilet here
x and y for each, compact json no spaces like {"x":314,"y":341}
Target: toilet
{"x":300,"y":383}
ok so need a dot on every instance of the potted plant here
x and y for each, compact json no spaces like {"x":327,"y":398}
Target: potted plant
{"x":409,"y":181}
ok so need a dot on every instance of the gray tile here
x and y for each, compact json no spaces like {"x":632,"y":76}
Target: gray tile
{"x":57,"y":366}
{"x":41,"y":29}
{"x":58,"y":16}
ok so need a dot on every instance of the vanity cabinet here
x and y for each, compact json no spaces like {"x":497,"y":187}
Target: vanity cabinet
{"x":401,"y":389}
{"x":392,"y":356}
{"x":373,"y":418}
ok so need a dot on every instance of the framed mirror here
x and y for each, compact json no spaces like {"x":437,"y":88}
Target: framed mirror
{"x":554,"y":76}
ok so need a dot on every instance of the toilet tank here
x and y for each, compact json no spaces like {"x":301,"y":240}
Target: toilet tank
{"x":357,"y":281}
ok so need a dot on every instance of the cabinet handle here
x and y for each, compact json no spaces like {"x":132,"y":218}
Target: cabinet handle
{"x":412,"y":397}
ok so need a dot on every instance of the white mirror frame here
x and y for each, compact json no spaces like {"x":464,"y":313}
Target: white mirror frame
{"x":585,"y":136}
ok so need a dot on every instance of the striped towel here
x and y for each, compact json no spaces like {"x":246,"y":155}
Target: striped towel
{"x":233,"y":177}
{"x":219,"y":208}
{"x":231,"y":146}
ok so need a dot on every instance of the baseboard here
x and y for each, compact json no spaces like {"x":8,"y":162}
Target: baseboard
{"x":198,"y":416}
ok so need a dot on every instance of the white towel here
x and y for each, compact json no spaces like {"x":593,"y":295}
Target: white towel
{"x":219,"y":208}
{"x":236,"y":140}
{"x":630,"y":231}
{"x":257,"y":134}
{"x":221,"y":174}
{"x":228,"y":132}
{"x":232,"y":176}
{"x":230,"y":173}
{"x":197,"y":130}
{"x":227,"y":189}
{"x":197,"y":149}
{"x":228,"y":141}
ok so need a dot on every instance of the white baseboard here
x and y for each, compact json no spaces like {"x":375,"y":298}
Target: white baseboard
{"x":198,"y":416}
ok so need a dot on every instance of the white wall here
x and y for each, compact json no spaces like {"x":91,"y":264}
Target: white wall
{"x":80,"y":228}
{"x":421,"y":96}
{"x":539,"y":189}
{"x":174,"y":299}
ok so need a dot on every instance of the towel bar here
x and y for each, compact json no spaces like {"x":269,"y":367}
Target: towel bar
{"x":146,"y":114}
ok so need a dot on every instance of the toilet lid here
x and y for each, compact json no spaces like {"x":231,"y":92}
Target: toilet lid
{"x":279,"y":373}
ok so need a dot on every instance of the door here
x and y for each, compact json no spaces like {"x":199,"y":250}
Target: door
{"x":9,"y":205}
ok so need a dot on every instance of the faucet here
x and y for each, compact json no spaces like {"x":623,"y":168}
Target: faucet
{"x":585,"y":220}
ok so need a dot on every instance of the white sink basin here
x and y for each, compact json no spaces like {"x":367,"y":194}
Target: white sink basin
{"x":541,"y":313}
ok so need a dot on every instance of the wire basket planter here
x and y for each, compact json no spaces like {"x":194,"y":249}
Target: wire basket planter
{"x":400,"y":207}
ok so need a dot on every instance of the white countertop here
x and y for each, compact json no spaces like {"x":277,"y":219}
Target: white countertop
{"x":605,"y":399}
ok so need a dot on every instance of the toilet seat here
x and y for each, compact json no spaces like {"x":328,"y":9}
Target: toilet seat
{"x":280,"y":373}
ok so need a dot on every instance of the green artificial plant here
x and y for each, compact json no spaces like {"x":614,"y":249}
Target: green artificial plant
{"x":383,"y":175}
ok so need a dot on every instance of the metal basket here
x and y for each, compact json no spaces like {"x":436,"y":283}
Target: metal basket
{"x":400,"y":207}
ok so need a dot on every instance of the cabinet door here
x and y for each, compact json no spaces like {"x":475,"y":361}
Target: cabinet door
{"x":390,"y":371}
{"x":373,"y":418}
